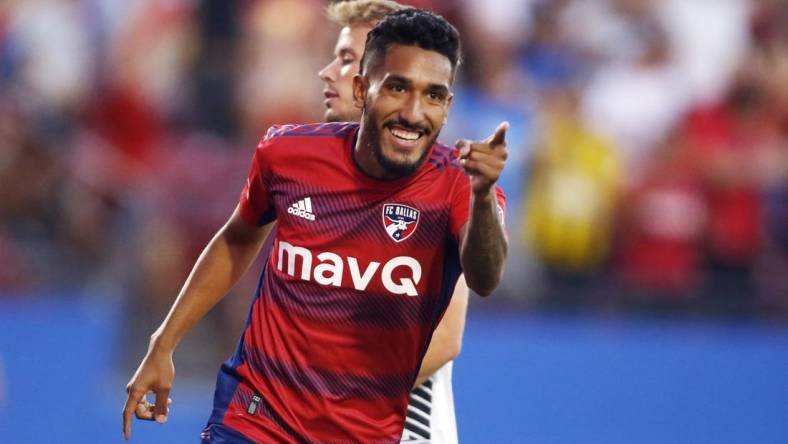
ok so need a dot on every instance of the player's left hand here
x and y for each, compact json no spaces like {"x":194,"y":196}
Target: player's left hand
{"x":484,"y":160}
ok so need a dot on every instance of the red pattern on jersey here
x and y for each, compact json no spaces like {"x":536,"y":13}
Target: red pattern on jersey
{"x":345,"y":312}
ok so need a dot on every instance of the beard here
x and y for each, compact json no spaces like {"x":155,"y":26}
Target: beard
{"x":393,"y":167}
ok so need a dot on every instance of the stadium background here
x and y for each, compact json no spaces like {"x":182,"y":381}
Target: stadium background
{"x":646,"y":296}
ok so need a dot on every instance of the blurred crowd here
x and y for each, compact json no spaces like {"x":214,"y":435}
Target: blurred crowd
{"x":659,"y":171}
{"x":649,"y":142}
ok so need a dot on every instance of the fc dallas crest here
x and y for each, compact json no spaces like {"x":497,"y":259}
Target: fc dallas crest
{"x":400,"y":221}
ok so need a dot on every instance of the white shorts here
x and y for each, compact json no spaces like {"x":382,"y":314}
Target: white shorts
{"x":430,"y":417}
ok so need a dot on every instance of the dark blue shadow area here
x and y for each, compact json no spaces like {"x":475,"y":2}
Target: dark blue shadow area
{"x":520,"y":379}
{"x":538,"y":379}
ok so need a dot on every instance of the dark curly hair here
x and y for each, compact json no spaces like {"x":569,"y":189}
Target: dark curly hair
{"x":412,"y":27}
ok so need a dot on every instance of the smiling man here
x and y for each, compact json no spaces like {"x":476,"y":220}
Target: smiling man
{"x":346,"y":304}
{"x":430,"y":418}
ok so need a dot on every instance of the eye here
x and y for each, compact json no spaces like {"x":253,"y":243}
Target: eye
{"x":436,"y":96}
{"x":346,"y":60}
{"x":397,"y":88}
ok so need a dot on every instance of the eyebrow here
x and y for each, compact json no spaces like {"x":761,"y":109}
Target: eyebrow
{"x":432,"y":87}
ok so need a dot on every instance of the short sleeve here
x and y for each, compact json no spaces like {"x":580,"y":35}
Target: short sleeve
{"x":461,"y":201}
{"x":255,"y":204}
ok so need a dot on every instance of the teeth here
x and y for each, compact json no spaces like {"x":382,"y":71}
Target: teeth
{"x":404,"y":134}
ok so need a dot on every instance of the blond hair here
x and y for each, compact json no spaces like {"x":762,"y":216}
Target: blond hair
{"x":354,"y":12}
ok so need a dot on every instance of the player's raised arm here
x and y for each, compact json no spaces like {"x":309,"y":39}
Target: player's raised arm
{"x":483,"y":244}
{"x":221,"y":264}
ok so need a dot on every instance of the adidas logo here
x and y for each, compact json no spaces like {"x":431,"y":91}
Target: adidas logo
{"x":302,"y":208}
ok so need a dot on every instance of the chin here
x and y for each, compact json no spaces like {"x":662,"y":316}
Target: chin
{"x":400,"y":165}
{"x":330,"y":116}
{"x":341,"y":115}
{"x":405,"y":161}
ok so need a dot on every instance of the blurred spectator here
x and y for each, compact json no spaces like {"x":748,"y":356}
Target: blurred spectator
{"x":637,"y":98}
{"x":59,"y":232}
{"x":730,"y":142}
{"x":214,"y":93}
{"x":48,"y":47}
{"x":572,"y":198}
{"x":491,"y":41}
{"x":707,"y":40}
{"x":661,"y":228}
{"x":549,"y":58}
{"x":277,"y":79}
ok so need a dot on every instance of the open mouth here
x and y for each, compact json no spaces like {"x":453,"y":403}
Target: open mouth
{"x":405,"y":134}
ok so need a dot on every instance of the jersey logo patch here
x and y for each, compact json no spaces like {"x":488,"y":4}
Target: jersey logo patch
{"x":400,"y":221}
{"x":302,"y":209}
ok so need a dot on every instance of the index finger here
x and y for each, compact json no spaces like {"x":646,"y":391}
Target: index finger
{"x":131,"y":404}
{"x":499,"y":137}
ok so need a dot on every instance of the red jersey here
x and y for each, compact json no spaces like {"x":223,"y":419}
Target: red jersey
{"x":358,"y":275}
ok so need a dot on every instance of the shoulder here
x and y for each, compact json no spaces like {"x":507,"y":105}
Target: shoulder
{"x":286,"y":145}
{"x":337,"y":130}
{"x":317,"y":139}
{"x":444,"y":160}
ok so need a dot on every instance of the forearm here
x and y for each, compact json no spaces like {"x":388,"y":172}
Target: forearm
{"x":219,"y":267}
{"x":446,"y":341}
{"x":437,"y":356}
{"x":484,"y":248}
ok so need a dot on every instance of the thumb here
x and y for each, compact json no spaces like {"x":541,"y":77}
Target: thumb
{"x":160,"y":409}
{"x":499,"y":137}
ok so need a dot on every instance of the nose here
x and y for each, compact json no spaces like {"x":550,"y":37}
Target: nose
{"x":329,"y":72}
{"x":412,"y":110}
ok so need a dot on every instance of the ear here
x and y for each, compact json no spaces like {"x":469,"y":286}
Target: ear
{"x":448,"y":107}
{"x":360,"y":88}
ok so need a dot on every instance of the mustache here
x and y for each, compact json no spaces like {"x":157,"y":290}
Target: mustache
{"x":406,"y":125}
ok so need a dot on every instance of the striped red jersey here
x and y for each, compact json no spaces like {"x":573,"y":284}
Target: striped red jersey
{"x":358,"y":275}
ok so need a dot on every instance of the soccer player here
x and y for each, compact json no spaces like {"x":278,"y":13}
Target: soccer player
{"x":375,"y":221}
{"x":430,"y":417}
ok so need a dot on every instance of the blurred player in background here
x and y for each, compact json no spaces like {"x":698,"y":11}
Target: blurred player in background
{"x":345,"y":308}
{"x":430,"y":416}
